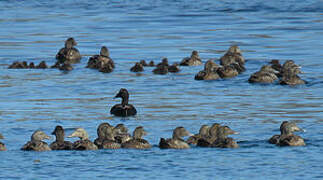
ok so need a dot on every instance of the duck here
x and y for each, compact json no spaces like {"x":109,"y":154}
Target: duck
{"x":109,"y":141}
{"x":227,"y":71}
{"x":194,"y":60}
{"x":231,"y":56}
{"x":2,"y":145}
{"x":161,"y":69}
{"x":84,"y":143}
{"x":275,"y":64}
{"x":60,"y":144}
{"x":290,"y":77}
{"x":100,"y":61}
{"x":138,"y":67}
{"x":36,"y":143}
{"x":121,"y":133}
{"x":137,"y":142}
{"x":275,"y":138}
{"x":173,"y":68}
{"x":209,"y":72}
{"x":163,"y":63}
{"x":207,"y":141}
{"x":176,"y":142}
{"x":124,"y":109}
{"x":203,"y":133}
{"x":42,"y":65}
{"x":69,"y":53}
{"x":143,"y":63}
{"x":223,"y":141}
{"x":101,"y":131}
{"x":32,"y":65}
{"x":267,"y":74}
{"x":287,"y":138}
{"x":18,"y":65}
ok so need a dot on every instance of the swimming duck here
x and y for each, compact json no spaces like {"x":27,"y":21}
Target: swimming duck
{"x":267,"y":74}
{"x":275,"y":138}
{"x":109,"y":141}
{"x":42,"y":65}
{"x":227,"y":71}
{"x":137,"y":142}
{"x":143,"y":63}
{"x":84,"y":143}
{"x":151,"y":64}
{"x":36,"y":143}
{"x":18,"y":65}
{"x":287,"y":138}
{"x":121,"y":133}
{"x":222,"y":140}
{"x":290,"y":77}
{"x":101,"y":131}
{"x":161,"y":69}
{"x":124,"y":109}
{"x":203,"y":133}
{"x":60,"y":144}
{"x":163,"y":63}
{"x":69,"y":53}
{"x":2,"y":145}
{"x":173,"y":68}
{"x":176,"y":142}
{"x":207,"y":141}
{"x":101,"y":61}
{"x":138,"y":67}
{"x":32,"y":65}
{"x":209,"y":72}
{"x":194,"y":60}
{"x":231,"y":56}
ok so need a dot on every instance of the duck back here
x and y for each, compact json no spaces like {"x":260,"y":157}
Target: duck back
{"x":36,"y":146}
{"x":123,"y":111}
{"x":66,"y":145}
{"x":291,"y":140}
{"x":84,"y":145}
{"x":136,"y":144}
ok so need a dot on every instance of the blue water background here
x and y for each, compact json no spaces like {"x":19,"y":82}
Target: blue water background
{"x":133,"y":30}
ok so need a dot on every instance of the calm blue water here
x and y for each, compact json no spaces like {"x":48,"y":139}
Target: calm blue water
{"x":135,"y":30}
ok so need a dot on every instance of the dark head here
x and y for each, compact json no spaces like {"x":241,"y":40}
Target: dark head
{"x":275,"y":62}
{"x":101,"y":129}
{"x":143,"y":62}
{"x":70,"y":42}
{"x":195,"y":53}
{"x":165,"y":61}
{"x":104,"y":51}
{"x":180,"y":132}
{"x":59,"y":133}
{"x":124,"y":95}
{"x":204,"y":130}
{"x":39,"y":136}
{"x":139,"y":132}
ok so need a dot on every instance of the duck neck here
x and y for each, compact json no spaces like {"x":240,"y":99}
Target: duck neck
{"x":124,"y":100}
{"x":59,"y":137}
{"x":286,"y":132}
{"x":177,"y":137}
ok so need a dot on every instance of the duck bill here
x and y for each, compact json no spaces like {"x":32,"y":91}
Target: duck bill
{"x":47,"y":137}
{"x":74,"y":134}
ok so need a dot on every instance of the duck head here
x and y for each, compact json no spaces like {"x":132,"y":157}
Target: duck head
{"x":104,"y":51}
{"x":124,"y":95}
{"x":213,"y":131}
{"x":80,"y":133}
{"x":109,"y":132}
{"x":195,"y":54}
{"x":121,"y":129}
{"x":288,"y":128}
{"x":1,"y":136}
{"x":224,"y":131}
{"x":101,"y":130}
{"x":59,"y":133}
{"x":70,"y":42}
{"x":139,"y":132}
{"x":180,"y":132}
{"x":165,"y":61}
{"x":269,"y":69}
{"x":204,"y":130}
{"x":210,"y":66}
{"x":39,"y":136}
{"x":234,"y":50}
